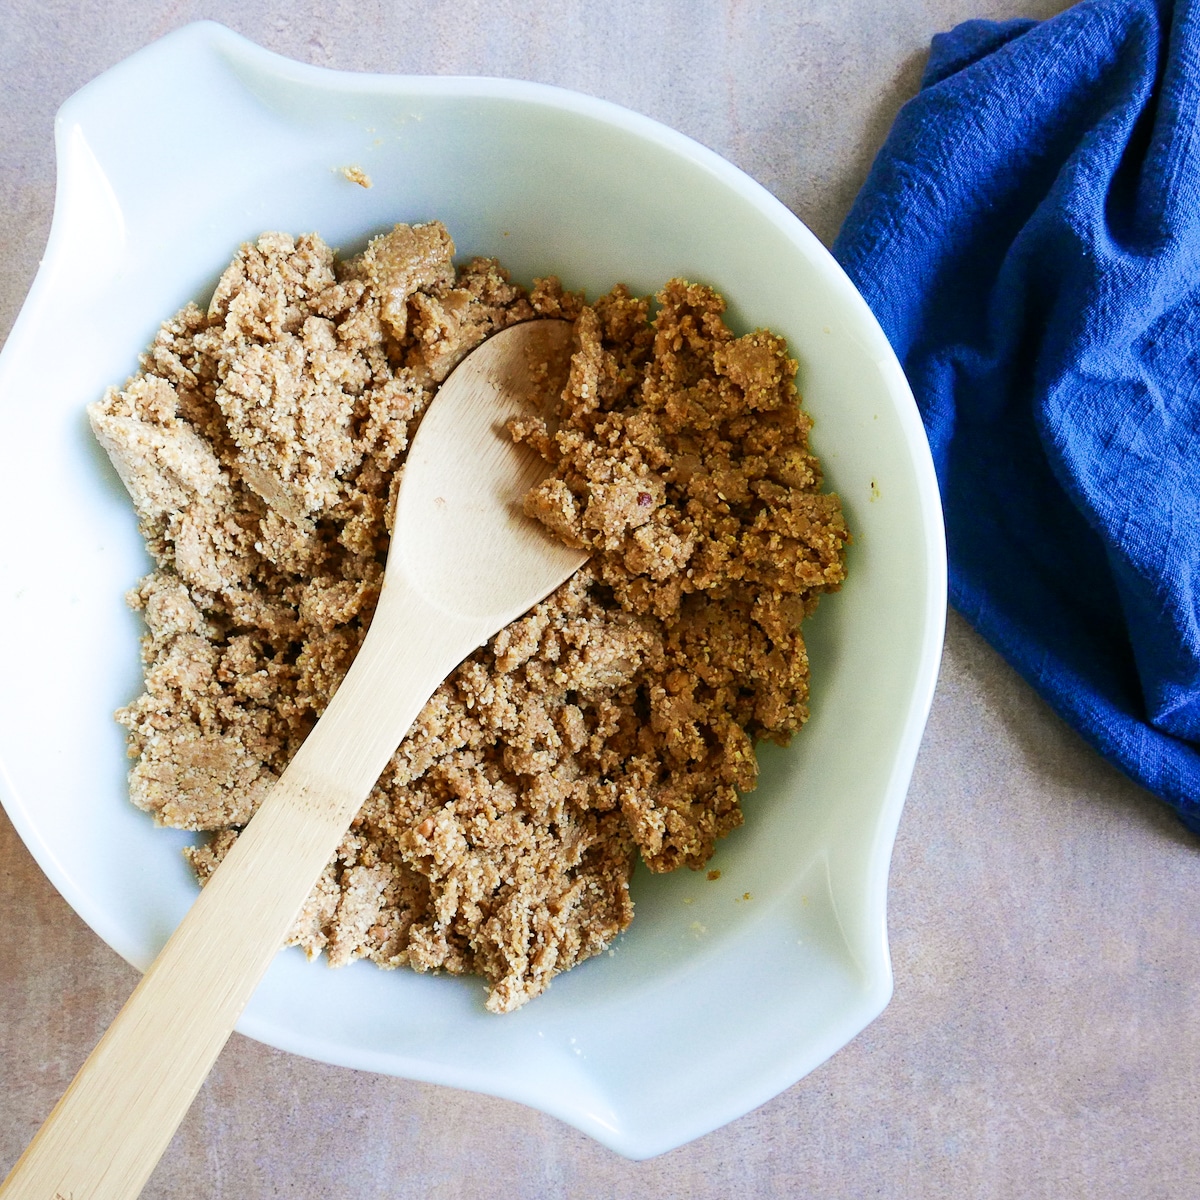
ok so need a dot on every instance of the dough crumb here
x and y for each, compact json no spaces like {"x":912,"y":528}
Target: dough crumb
{"x":357,"y":175}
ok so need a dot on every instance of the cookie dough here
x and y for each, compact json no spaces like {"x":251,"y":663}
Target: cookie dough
{"x":262,"y":442}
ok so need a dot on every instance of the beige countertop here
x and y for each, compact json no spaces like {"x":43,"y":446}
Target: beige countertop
{"x":1044,"y":1038}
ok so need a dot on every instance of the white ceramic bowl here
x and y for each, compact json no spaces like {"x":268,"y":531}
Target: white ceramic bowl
{"x":711,"y":1003}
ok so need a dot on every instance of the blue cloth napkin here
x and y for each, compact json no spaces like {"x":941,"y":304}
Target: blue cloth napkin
{"x":1029,"y":238}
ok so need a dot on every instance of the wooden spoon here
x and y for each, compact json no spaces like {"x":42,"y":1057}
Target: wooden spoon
{"x":464,"y":562}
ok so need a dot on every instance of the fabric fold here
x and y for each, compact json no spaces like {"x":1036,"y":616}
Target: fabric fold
{"x":1029,"y":238}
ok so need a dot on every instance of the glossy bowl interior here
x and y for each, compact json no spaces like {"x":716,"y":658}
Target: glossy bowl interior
{"x":722,"y":993}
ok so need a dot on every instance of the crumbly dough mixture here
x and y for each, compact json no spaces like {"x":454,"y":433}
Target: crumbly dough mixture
{"x":261,"y":441}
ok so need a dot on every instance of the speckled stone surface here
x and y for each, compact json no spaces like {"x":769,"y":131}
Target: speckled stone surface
{"x":1044,"y":1039}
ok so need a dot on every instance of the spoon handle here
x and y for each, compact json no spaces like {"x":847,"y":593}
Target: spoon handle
{"x":105,"y":1135}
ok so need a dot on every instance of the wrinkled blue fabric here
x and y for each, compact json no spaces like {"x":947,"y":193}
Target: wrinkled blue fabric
{"x":1029,"y":239}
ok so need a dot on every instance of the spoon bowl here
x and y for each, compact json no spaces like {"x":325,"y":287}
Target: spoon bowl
{"x":460,"y":537}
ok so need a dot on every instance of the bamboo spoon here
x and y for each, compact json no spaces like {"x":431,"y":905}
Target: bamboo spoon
{"x":464,"y":562}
